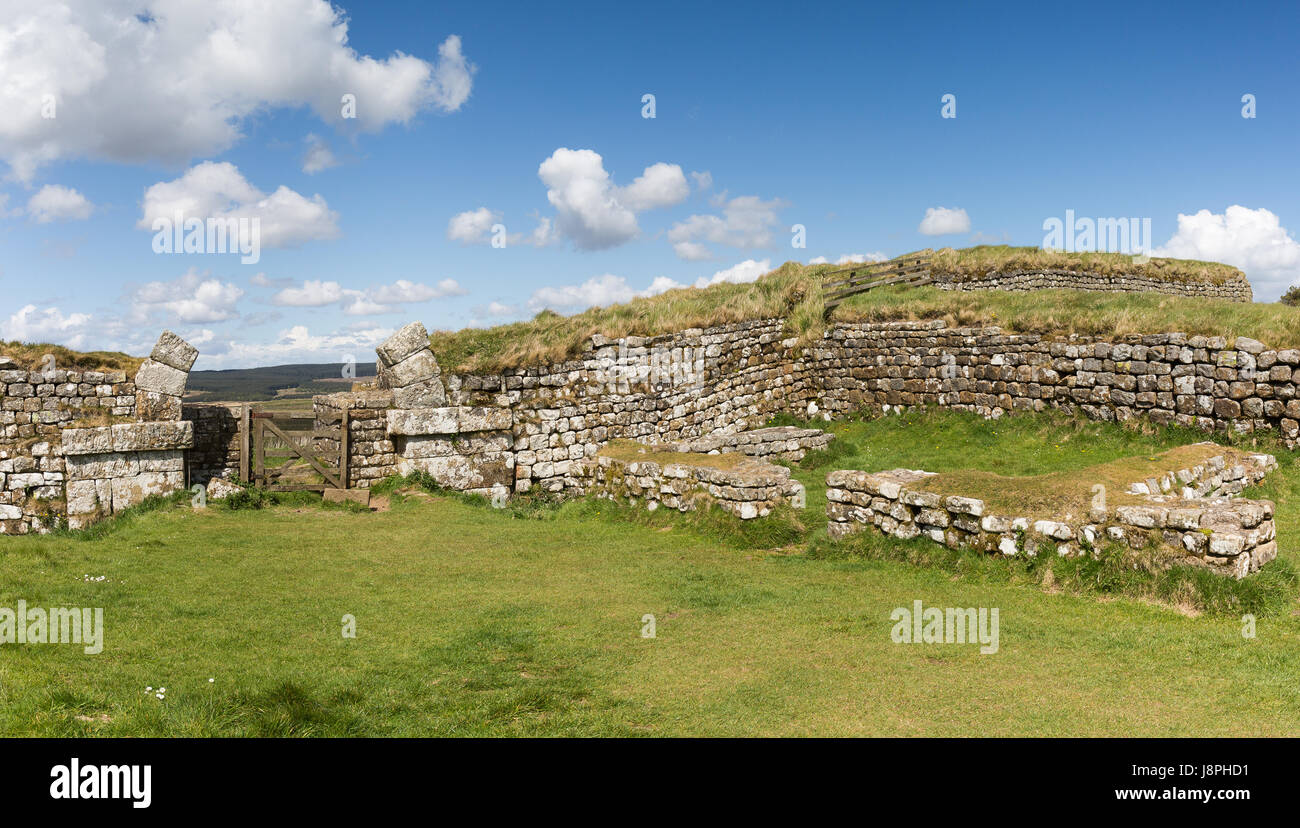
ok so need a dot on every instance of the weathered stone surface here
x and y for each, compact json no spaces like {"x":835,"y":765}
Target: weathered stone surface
{"x":424,"y":421}
{"x":361,"y":496}
{"x":220,"y":489}
{"x":174,"y":352}
{"x":427,"y":394}
{"x":403,"y":344}
{"x":162,"y":378}
{"x":152,"y":436}
{"x":87,"y":440}
{"x":152,"y":405}
{"x":484,"y":419}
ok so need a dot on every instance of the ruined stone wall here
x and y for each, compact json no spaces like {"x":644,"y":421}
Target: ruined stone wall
{"x":216,"y":441}
{"x":1192,"y":518}
{"x":1234,"y":290}
{"x":41,"y":411}
{"x":1194,"y":381}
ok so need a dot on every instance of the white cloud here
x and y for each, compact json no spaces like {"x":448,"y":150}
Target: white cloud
{"x":661,"y":185}
{"x":592,"y":212}
{"x":314,"y":293}
{"x":1253,"y":240}
{"x":746,"y":222}
{"x":295,"y":344}
{"x":588,"y":210}
{"x":219,"y":190}
{"x":318,"y":155}
{"x":703,"y":180}
{"x":747,"y":271}
{"x":30,"y":324}
{"x":940,"y":221}
{"x":204,"y":69}
{"x":600,"y":290}
{"x":472,"y":226}
{"x":851,"y":258}
{"x":55,"y":203}
{"x":611,"y":290}
{"x":195,"y":298}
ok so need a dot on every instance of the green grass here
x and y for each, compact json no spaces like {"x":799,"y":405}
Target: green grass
{"x":793,"y":291}
{"x":527,"y":620}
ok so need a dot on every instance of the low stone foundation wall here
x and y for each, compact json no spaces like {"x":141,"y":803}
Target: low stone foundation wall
{"x":1225,"y":534}
{"x":750,"y":488}
{"x":786,"y":442}
{"x":1236,"y":290}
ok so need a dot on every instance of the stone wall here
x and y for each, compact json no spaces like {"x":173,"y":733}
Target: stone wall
{"x":1195,"y":381}
{"x":1221,"y":532}
{"x":64,"y":437}
{"x":215,"y":452}
{"x":704,"y":385}
{"x":1234,"y":290}
{"x":750,"y":488}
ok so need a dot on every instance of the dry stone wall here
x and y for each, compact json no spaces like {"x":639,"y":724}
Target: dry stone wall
{"x":57,"y":462}
{"x":1224,"y":533}
{"x":1233,"y":290}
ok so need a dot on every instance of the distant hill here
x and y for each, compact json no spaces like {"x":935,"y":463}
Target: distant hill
{"x":273,"y":382}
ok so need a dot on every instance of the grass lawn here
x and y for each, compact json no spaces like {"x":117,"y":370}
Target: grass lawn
{"x":475,"y":621}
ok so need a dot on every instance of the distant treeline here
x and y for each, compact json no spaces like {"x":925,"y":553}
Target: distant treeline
{"x":251,"y":384}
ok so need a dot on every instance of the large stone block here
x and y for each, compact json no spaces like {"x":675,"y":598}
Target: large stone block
{"x":153,"y":436}
{"x":481,"y":471}
{"x":407,"y":341}
{"x":87,"y":440}
{"x":174,"y":352}
{"x":151,"y":405}
{"x":417,"y":367}
{"x":157,"y":376}
{"x":424,"y":421}
{"x":428,"y":394}
{"x":128,"y":491}
{"x":485,"y":419}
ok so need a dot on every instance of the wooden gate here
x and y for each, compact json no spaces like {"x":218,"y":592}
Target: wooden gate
{"x":282,"y":452}
{"x":839,"y":285}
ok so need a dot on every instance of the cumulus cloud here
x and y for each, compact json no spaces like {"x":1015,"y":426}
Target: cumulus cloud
{"x":851,"y":258}
{"x":941,"y":221}
{"x":592,"y":212}
{"x":472,"y":226}
{"x":747,"y":271}
{"x":204,"y":69}
{"x":746,"y":222}
{"x":661,"y":185}
{"x":196,"y":298}
{"x":703,"y":180}
{"x":475,"y":227}
{"x":317,"y":293}
{"x":1253,"y":240}
{"x":55,"y":203}
{"x":294,"y":344}
{"x":318,"y":155}
{"x":610,"y":289}
{"x":220,"y":191}
{"x":30,"y":324}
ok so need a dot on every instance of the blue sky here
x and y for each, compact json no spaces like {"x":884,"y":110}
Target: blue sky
{"x":766,"y":116}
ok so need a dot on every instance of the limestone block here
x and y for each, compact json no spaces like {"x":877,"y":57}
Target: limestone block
{"x":152,"y":405}
{"x":157,"y":376}
{"x":424,"y":421}
{"x":407,"y":341}
{"x":418,"y":367}
{"x":128,"y":491}
{"x":153,"y":436}
{"x":174,"y":352}
{"x":427,"y":394}
{"x":87,"y":440}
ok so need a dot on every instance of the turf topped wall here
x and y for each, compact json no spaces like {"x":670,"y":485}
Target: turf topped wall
{"x":1233,"y":289}
{"x":533,"y":425}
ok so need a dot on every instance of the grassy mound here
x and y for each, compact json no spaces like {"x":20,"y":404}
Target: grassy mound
{"x":30,"y":355}
{"x":793,"y":291}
